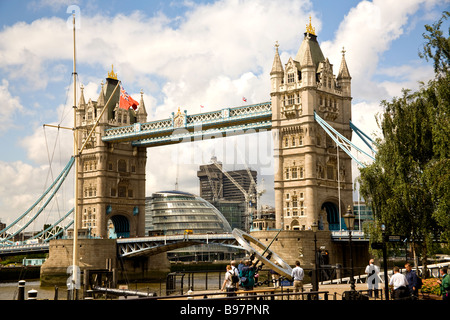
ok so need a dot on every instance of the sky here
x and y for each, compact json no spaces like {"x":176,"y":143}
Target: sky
{"x":185,"y":54}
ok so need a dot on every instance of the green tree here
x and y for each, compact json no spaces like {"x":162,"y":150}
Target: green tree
{"x":408,"y":185}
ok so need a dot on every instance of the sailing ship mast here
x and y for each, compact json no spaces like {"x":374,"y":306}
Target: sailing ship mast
{"x":75,"y":268}
{"x":77,"y":153}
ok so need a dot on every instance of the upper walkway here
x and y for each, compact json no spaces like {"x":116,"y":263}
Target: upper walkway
{"x":183,"y":127}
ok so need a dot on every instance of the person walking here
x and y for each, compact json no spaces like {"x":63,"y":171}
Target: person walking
{"x":372,"y":272}
{"x":297,"y":275}
{"x":399,"y":285}
{"x":227,"y":284}
{"x":444,"y":284}
{"x":413,"y":281}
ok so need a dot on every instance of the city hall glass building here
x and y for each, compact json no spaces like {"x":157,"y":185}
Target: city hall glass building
{"x":174,"y":212}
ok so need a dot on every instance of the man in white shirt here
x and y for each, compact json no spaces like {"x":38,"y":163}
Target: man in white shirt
{"x":297,"y":275}
{"x":372,"y":278}
{"x":399,"y":284}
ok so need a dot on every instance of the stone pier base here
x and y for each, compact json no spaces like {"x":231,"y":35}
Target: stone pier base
{"x":95,"y":254}
{"x":292,"y":245}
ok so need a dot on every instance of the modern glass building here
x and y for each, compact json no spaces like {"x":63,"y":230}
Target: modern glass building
{"x":174,"y":212}
{"x":363,"y":213}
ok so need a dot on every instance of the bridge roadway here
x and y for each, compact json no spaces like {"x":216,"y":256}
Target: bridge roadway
{"x":132,"y":247}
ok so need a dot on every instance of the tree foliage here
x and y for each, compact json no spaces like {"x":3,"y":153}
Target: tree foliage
{"x":408,"y":185}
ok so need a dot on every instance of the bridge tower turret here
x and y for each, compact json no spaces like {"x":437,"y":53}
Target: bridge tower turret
{"x":111,"y":176}
{"x":313,"y":181}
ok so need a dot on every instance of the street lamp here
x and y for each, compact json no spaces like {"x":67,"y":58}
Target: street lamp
{"x":386,"y":286}
{"x":349,"y":219}
{"x":314,"y":228}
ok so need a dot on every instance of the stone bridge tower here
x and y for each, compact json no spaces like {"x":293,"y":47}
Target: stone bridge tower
{"x":111,"y":176}
{"x":308,"y":167}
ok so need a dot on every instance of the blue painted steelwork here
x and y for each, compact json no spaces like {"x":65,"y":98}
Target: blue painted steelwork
{"x":42,"y":234}
{"x":25,"y":216}
{"x":363,"y":136}
{"x":344,"y":144}
{"x":237,"y":120}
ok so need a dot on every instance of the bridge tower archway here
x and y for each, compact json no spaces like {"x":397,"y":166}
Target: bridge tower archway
{"x":118,"y":227}
{"x":332,"y":215}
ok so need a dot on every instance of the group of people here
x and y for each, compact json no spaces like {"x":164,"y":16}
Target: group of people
{"x":405,"y":286}
{"x":244,"y":275}
{"x":241,"y":275}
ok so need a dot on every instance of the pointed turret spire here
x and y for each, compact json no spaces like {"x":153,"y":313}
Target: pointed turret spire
{"x":277,"y":67}
{"x":101,"y":97}
{"x":343,"y":69}
{"x":81,"y":101}
{"x":309,"y":52}
{"x":307,"y":60}
{"x":141,"y":112}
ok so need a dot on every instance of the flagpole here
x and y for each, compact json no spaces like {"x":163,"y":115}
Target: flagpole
{"x":75,"y":268}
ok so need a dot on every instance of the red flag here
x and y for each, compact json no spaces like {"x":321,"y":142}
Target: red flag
{"x":125,"y":101}
{"x":244,"y":98}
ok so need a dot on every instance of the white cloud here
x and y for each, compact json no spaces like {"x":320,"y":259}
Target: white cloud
{"x":22,"y":184}
{"x":10,"y":106}
{"x":366,"y":32}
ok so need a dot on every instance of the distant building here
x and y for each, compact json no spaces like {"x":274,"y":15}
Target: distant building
{"x":363,"y":213}
{"x":173,"y":212}
{"x":176,"y":212}
{"x":232,"y":211}
{"x":265,"y":219}
{"x":2,"y":226}
{"x":223,"y":193}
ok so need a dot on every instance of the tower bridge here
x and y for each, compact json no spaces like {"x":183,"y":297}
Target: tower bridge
{"x":312,"y":171}
{"x":313,"y":181}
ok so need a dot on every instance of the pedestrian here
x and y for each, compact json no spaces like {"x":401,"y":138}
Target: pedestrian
{"x":240,"y":266}
{"x":247,"y":276}
{"x":235,"y":274}
{"x":297,"y":275}
{"x":372,"y":278}
{"x":413,"y":281}
{"x":228,"y":285}
{"x":444,"y":284}
{"x":399,"y":285}
{"x":275,"y":278}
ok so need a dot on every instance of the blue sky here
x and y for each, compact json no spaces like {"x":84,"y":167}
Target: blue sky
{"x":184,"y":54}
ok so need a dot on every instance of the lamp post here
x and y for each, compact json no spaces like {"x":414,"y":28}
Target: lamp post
{"x":315,"y":283}
{"x":349,"y":219}
{"x":386,"y":286}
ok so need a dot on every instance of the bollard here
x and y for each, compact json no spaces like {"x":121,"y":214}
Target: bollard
{"x":32,"y":294}
{"x":56,"y":293}
{"x":190,"y":292}
{"x":21,"y":295}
